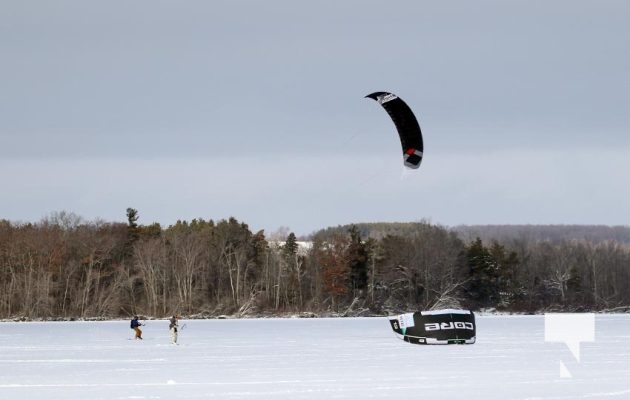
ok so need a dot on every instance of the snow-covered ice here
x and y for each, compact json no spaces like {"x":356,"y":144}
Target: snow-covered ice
{"x":290,"y":359}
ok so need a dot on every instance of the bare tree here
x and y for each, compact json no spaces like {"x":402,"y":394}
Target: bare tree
{"x":150,"y":257}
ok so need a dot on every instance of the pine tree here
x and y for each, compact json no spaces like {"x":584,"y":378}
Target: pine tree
{"x":357,"y":256}
{"x":133,"y":231}
{"x":482,"y":287}
{"x":290,"y":247}
{"x":507,"y":287}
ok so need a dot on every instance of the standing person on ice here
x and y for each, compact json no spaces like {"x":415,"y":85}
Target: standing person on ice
{"x":135,"y":325}
{"x":173,"y":328}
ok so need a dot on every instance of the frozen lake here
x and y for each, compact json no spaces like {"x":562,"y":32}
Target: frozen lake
{"x":289,"y":359}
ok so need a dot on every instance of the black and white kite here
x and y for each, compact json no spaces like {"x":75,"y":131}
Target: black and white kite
{"x":435,"y":327}
{"x":406,"y":125}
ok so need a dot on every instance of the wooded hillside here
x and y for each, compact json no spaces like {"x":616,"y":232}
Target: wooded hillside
{"x":64,"y":267}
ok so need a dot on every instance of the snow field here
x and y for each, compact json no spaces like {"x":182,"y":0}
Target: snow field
{"x":344,"y":358}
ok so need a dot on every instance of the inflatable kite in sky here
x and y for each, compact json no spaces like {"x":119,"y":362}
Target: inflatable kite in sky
{"x":435,"y":327}
{"x":406,"y":124}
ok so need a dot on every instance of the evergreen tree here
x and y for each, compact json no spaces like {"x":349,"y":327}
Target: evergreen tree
{"x":260,"y":249}
{"x":133,"y":231}
{"x":357,"y":256}
{"x":151,"y":231}
{"x":482,"y":288}
{"x":294,"y":270}
{"x":508,"y":289}
{"x":290,"y":247}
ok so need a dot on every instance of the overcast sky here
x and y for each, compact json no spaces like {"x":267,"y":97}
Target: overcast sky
{"x":256,"y":110}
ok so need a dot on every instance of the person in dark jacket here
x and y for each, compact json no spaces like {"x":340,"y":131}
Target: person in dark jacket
{"x":135,"y":325}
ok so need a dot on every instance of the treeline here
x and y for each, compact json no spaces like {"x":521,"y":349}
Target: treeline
{"x":500,"y":233}
{"x":63,"y":267}
{"x":546,"y":233}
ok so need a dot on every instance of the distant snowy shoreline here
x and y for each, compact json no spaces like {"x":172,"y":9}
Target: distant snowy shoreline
{"x":488,"y":312}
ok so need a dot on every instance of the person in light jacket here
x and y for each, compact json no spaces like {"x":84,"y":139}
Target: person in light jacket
{"x":173,"y":328}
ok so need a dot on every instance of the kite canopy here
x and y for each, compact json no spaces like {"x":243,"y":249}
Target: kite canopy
{"x":436,"y":327}
{"x":406,"y":125}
